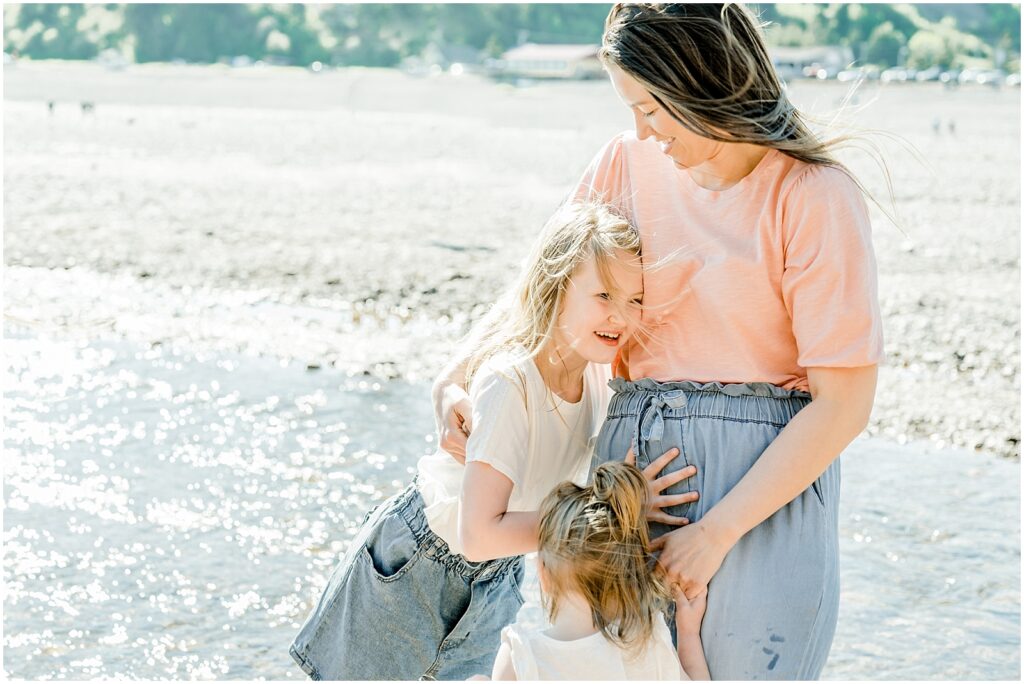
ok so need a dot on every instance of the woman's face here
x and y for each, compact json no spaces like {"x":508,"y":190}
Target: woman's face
{"x":687,"y":149}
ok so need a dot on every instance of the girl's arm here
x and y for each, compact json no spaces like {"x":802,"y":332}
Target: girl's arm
{"x":487,"y":529}
{"x":839,"y":411}
{"x":689,"y":649}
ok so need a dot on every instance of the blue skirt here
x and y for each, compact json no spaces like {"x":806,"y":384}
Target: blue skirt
{"x":773,"y":605}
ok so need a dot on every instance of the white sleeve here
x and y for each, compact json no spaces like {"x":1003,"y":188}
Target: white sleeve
{"x":523,"y":661}
{"x":500,"y":434}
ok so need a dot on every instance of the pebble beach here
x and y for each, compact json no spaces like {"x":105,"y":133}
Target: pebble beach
{"x":226,"y":292}
{"x":363,"y":218}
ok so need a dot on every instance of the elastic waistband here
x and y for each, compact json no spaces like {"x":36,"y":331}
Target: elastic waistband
{"x":409,"y":505}
{"x":749,"y":401}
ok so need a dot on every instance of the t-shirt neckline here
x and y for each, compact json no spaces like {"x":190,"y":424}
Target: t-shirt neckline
{"x":700,"y":192}
{"x":557,"y":401}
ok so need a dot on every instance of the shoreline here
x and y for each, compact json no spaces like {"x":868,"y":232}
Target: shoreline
{"x":367,"y":223}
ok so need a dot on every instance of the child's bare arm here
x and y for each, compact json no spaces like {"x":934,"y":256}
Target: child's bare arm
{"x":487,"y":530}
{"x":689,"y":615}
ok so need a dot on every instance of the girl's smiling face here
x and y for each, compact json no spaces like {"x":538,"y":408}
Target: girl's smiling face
{"x":600,"y":314}
{"x":686,"y":149}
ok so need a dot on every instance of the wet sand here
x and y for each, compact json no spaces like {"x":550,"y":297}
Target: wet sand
{"x":363,"y":218}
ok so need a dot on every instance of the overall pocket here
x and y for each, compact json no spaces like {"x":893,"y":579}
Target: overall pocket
{"x":391,"y":550}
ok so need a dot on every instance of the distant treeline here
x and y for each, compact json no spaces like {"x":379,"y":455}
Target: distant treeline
{"x":949,"y":35}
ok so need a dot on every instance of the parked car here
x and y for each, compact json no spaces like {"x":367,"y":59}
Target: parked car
{"x":865,"y":73}
{"x":1013,"y":80}
{"x":932,"y":73}
{"x":898,"y":74}
{"x":990,"y":77}
{"x":820,"y":72}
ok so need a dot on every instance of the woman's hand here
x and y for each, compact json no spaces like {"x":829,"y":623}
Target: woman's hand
{"x":656,"y":485}
{"x":453,"y":414}
{"x":690,"y":557}
{"x":689,"y":612}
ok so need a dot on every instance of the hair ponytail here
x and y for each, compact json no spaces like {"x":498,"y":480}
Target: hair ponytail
{"x":593,"y":542}
{"x":624,"y":491}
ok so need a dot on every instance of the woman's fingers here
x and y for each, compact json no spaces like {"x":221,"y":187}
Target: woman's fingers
{"x":693,"y":590}
{"x":630,"y":457}
{"x":453,"y":442}
{"x":454,"y":413}
{"x":662,"y":517}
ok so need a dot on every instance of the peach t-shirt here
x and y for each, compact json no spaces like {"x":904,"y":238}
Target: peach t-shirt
{"x":755,"y":283}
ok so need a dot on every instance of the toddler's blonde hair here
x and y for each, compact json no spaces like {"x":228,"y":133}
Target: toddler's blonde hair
{"x":593,"y":542}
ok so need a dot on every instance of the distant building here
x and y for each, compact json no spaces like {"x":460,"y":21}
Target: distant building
{"x":548,"y":61}
{"x":822,"y":61}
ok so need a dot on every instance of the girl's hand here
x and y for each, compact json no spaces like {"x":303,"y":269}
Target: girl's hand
{"x":453,"y":414}
{"x":690,"y":557}
{"x":656,"y":485}
{"x":689,"y":612}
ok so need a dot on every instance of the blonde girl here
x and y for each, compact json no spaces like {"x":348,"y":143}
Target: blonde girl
{"x":603,"y":603}
{"x":433,"y":574}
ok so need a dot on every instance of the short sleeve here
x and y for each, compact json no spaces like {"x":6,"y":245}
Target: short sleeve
{"x":500,"y":434}
{"x":830,"y":280}
{"x":605,"y":179}
{"x":521,"y":655}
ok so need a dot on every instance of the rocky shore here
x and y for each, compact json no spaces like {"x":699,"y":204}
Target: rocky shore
{"x":363,"y":218}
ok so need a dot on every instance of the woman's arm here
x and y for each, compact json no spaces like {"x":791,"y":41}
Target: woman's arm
{"x":838,"y":412}
{"x":453,"y":410}
{"x":487,"y":529}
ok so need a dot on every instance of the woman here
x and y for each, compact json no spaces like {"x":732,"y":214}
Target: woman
{"x":763,"y":332}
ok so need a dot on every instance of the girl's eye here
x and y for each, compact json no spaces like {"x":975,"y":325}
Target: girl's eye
{"x":604,"y":295}
{"x":649,"y":114}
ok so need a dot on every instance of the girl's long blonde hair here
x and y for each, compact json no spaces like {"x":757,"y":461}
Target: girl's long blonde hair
{"x":525,"y":317}
{"x":593,"y":542}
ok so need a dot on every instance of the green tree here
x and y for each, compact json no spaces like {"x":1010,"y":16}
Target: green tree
{"x":884,"y":45}
{"x":197,"y":33}
{"x":51,"y":32}
{"x":928,"y":48}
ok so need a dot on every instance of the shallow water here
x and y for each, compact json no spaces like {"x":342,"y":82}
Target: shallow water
{"x":173,"y":514}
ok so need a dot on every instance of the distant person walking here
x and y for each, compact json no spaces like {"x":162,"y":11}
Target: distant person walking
{"x":761,"y":334}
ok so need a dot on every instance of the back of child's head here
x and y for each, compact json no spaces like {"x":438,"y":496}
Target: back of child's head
{"x":528,"y":313}
{"x":593,"y":542}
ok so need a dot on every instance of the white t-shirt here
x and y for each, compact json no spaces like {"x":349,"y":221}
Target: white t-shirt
{"x":524,"y":431}
{"x":537,"y":656}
